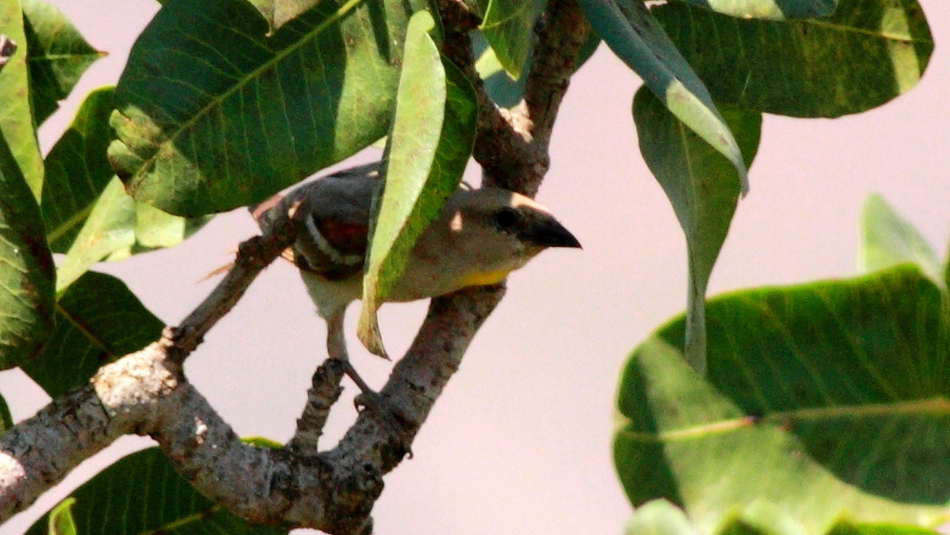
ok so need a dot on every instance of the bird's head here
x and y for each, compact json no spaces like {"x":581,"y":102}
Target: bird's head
{"x":485,"y":234}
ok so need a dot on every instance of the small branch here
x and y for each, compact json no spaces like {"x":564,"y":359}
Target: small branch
{"x":324,"y":391}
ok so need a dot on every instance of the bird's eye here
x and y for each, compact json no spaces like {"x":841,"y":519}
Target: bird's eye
{"x":506,"y":217}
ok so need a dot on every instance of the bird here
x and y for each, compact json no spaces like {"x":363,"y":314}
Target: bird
{"x":478,"y":238}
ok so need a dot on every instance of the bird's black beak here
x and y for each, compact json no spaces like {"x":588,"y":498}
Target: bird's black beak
{"x":549,"y":233}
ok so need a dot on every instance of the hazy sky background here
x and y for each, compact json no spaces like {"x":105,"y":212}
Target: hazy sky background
{"x":520,"y":441}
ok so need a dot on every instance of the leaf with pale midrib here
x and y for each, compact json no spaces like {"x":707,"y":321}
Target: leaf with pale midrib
{"x":214,"y":114}
{"x":826,"y":399}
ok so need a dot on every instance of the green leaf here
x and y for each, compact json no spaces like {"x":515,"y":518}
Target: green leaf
{"x":58,"y":55}
{"x":97,"y":321}
{"x":61,"y":518}
{"x":829,"y":400}
{"x":429,"y":146}
{"x":769,"y":9}
{"x":500,"y":87}
{"x":16,"y":119}
{"x":630,"y":30}
{"x":887,"y":239}
{"x":118,"y":227}
{"x":867,"y":53}
{"x":26,"y":269}
{"x":198,"y":136}
{"x":77,"y":170}
{"x":110,"y":227}
{"x":162,"y":502}
{"x":659,"y":517}
{"x":703,"y":188}
{"x":508,"y":26}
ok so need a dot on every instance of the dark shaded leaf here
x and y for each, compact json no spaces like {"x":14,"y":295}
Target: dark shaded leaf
{"x":58,"y":55}
{"x":198,"y":135}
{"x":703,"y":188}
{"x":97,"y":320}
{"x":631,"y":31}
{"x":864,"y":55}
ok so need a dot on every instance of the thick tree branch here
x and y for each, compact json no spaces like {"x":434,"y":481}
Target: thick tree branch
{"x":334,"y":491}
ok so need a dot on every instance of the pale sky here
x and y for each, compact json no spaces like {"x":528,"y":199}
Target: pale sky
{"x":520,"y":441}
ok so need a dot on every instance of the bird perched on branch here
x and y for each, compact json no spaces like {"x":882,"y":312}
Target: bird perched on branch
{"x":479,"y":237}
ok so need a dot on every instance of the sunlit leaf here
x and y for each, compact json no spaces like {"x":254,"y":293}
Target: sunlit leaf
{"x":827,"y":400}
{"x":430,"y":143}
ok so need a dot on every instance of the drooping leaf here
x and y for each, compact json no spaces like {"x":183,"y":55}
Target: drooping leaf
{"x":508,"y":26}
{"x":867,"y":53}
{"x":430,"y":143}
{"x":77,"y":170}
{"x":631,"y":31}
{"x":97,"y":321}
{"x":58,"y":55}
{"x":703,"y":188}
{"x":887,"y":239}
{"x":198,"y":136}
{"x":26,"y":268}
{"x":500,"y":87}
{"x":6,"y":419}
{"x":162,"y":502}
{"x":61,"y":520}
{"x":16,"y":119}
{"x":828,"y":400}
{"x":769,"y":9}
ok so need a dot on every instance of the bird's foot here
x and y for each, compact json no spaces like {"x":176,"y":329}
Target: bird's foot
{"x":385,"y":412}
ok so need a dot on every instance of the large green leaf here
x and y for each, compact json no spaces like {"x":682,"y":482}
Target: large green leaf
{"x":887,"y":239}
{"x":865,"y":54}
{"x":16,"y":119}
{"x":26,"y":269}
{"x":631,"y":31}
{"x":97,"y":321}
{"x":58,"y":55}
{"x":828,"y":400}
{"x":77,"y":170}
{"x":508,"y":26}
{"x":142,"y":493}
{"x":703,"y":188}
{"x":213,"y":113}
{"x":430,"y":143}
{"x":770,"y":9}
